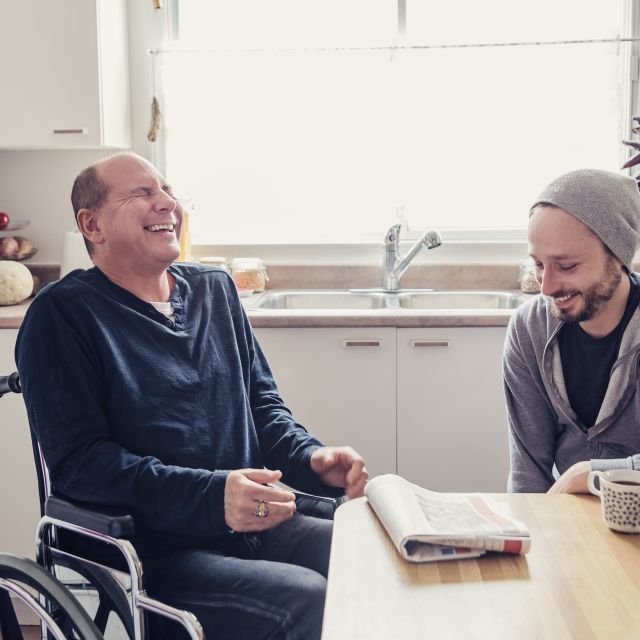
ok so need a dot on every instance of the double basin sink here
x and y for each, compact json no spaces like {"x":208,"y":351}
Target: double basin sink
{"x":355,"y":299}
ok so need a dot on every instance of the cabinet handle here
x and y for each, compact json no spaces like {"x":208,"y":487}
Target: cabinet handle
{"x":362,"y":343}
{"x":84,"y":131}
{"x":430,"y":343}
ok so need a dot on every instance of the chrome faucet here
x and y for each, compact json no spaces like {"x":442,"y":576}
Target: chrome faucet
{"x":394,"y":266}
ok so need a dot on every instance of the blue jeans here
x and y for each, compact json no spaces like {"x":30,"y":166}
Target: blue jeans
{"x":254,"y":586}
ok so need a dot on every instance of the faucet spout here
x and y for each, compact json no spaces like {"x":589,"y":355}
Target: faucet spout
{"x":394,"y":266}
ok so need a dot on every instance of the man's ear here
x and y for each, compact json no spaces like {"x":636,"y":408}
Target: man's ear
{"x":89,"y":225}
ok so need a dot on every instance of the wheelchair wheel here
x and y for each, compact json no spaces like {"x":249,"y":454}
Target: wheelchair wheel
{"x":62,"y":613}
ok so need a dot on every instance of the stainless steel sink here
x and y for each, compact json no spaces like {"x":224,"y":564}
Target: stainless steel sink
{"x":407,"y":299}
{"x":461,"y":300}
{"x":321,"y":300}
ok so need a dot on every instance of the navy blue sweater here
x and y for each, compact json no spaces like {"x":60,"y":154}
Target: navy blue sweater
{"x":137,"y":412}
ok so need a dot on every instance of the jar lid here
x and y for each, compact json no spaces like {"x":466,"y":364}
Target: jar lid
{"x":247,"y":263}
{"x":213,"y":260}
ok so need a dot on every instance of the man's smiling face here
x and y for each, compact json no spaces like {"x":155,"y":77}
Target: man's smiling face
{"x":140,"y":220}
{"x":575,"y":270}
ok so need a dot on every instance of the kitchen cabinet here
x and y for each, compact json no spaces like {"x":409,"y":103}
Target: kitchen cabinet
{"x":341,"y":385}
{"x":19,"y":506}
{"x":452,"y":425}
{"x":65,"y":80}
{"x":426,"y":403}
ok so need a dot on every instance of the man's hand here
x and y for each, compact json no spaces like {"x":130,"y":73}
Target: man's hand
{"x":245,"y":490}
{"x":573,"y":480}
{"x":341,"y":467}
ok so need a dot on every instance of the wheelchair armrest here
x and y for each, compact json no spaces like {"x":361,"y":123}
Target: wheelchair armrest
{"x":106,"y":521}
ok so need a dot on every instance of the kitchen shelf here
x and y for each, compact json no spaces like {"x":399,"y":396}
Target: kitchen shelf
{"x":16,"y":225}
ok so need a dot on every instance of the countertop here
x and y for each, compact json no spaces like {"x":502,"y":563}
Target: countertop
{"x":297,"y":277}
{"x":11,"y":317}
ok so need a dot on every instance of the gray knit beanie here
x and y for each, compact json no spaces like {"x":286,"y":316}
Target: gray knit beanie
{"x":608,"y":203}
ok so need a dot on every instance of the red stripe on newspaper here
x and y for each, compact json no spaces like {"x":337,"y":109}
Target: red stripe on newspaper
{"x":512,"y":546}
{"x":486,"y":512}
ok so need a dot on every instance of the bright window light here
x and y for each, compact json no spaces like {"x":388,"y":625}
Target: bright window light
{"x":292,"y":121}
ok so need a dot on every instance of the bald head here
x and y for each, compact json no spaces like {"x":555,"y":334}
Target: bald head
{"x":91,"y":187}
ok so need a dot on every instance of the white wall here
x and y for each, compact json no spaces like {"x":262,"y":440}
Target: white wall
{"x":36,"y":185}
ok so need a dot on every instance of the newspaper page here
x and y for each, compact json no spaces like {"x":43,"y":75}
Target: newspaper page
{"x":427,"y":526}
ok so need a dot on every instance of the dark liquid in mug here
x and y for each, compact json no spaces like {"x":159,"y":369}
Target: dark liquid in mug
{"x":629,"y":483}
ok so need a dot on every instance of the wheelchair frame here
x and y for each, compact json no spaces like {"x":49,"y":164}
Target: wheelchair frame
{"x":106,"y":528}
{"x":54,"y":605}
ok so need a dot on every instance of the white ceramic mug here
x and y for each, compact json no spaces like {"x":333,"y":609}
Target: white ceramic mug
{"x":619,"y":493}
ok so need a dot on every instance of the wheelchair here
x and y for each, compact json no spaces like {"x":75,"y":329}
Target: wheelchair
{"x":114,"y":573}
{"x":58,"y":610}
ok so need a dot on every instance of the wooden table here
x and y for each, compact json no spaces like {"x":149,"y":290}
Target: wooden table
{"x":580,"y":580}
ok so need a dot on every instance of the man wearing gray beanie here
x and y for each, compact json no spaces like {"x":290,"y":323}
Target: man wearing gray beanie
{"x":570,"y":362}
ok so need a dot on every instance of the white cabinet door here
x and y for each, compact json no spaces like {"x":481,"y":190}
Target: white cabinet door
{"x":19,"y":506}
{"x":340,"y":384}
{"x":452,"y":433}
{"x":64,"y":71}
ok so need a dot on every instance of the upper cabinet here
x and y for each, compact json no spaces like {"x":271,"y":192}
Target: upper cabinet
{"x":64,"y":73}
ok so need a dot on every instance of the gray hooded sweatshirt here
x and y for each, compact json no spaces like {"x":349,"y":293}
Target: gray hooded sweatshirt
{"x":543,"y":428}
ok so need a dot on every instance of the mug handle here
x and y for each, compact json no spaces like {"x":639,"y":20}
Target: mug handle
{"x":591,"y":482}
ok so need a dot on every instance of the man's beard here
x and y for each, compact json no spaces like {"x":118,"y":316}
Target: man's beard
{"x":594,"y":298}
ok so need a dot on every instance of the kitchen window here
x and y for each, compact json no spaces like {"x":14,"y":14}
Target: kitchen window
{"x":291,"y":121}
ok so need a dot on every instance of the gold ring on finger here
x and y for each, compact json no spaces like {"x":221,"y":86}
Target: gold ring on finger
{"x":262,"y":510}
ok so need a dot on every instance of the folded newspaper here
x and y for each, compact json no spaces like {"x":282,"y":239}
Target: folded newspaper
{"x":426,"y":526}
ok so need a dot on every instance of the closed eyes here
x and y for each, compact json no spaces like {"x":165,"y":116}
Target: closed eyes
{"x":565,"y":268}
{"x":149,"y":192}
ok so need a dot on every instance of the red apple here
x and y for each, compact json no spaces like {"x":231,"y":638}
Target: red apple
{"x":4,"y":220}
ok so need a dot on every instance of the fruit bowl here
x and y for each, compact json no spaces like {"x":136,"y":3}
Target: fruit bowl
{"x":25,"y":255}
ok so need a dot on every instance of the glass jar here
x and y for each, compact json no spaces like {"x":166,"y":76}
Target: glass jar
{"x":216,"y":261}
{"x":528,"y":282}
{"x":249,"y":273}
